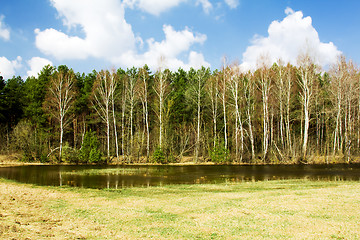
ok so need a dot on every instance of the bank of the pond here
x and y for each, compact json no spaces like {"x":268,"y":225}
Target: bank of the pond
{"x":15,"y":160}
{"x":297,"y":209}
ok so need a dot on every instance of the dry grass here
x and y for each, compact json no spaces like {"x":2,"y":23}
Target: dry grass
{"x":295,"y":209}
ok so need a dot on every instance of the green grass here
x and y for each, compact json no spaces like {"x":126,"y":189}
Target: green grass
{"x":108,"y":171}
{"x":295,"y":209}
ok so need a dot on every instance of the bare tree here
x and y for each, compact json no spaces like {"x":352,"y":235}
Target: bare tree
{"x":249,"y":95}
{"x":132,"y":100}
{"x":234,"y":87}
{"x":288,"y":87}
{"x":161,"y":88}
{"x":113,"y":99}
{"x":281,"y":96}
{"x":212,"y":89}
{"x":350,"y":99}
{"x":223,"y":95}
{"x":195,"y":94}
{"x":103,"y":97}
{"x":60,"y":99}
{"x":307,"y":74}
{"x":264,"y":84}
{"x":144,"y":95}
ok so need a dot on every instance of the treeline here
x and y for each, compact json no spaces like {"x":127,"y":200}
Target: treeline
{"x":279,"y":113}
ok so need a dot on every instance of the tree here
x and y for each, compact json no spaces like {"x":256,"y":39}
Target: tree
{"x":264,"y":85}
{"x":11,"y":101}
{"x":234,"y":87}
{"x":60,"y":98}
{"x":344,"y":89}
{"x":103,"y":97}
{"x":249,"y":95}
{"x":144,"y":95}
{"x":132,"y":98}
{"x":161,"y":88}
{"x":90,"y":149}
{"x":307,"y":74}
{"x":223,"y":95}
{"x":196,"y":94}
{"x":35,"y":91}
{"x":212,"y":89}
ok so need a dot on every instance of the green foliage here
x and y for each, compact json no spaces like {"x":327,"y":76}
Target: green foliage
{"x":158,"y":156}
{"x":34,"y":95}
{"x":69,"y":154}
{"x":219,"y":154}
{"x":11,"y":101}
{"x":90,"y":149}
{"x":23,"y":141}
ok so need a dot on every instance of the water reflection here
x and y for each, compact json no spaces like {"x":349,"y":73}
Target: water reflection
{"x":145,"y":176}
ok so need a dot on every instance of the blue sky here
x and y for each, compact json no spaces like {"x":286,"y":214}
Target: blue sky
{"x":94,"y":34}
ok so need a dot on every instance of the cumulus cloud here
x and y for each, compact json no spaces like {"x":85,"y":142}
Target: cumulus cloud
{"x":174,"y":44}
{"x":4,"y":30}
{"x":108,"y":36}
{"x":287,"y":39}
{"x":232,"y":3}
{"x":154,"y":7}
{"x":8,"y":68}
{"x":36,"y":64}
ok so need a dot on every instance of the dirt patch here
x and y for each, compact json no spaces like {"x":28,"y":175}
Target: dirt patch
{"x":24,"y":214}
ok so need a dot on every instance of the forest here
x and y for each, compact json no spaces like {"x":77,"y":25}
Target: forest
{"x":279,"y":113}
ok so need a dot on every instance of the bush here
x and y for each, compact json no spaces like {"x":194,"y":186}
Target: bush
{"x":90,"y":149}
{"x":69,"y":154}
{"x":158,"y":156}
{"x":219,"y":154}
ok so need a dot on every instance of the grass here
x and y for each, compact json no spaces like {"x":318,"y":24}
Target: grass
{"x":109,"y":171}
{"x":297,"y":209}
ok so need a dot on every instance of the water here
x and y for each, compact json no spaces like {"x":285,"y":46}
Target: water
{"x":129,"y":176}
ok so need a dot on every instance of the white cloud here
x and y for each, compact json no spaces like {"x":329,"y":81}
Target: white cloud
{"x":4,"y":30}
{"x":154,"y":7}
{"x":8,"y":68}
{"x":174,"y":44}
{"x":287,"y":39}
{"x":206,"y":5}
{"x":232,"y":3}
{"x":36,"y":64}
{"x":108,"y":36}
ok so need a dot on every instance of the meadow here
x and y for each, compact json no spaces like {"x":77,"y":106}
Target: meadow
{"x":298,"y":209}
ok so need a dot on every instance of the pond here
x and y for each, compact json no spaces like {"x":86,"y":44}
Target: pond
{"x":129,"y":176}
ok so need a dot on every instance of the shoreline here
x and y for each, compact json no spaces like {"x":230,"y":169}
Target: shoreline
{"x":14,"y":160}
{"x":18,"y":163}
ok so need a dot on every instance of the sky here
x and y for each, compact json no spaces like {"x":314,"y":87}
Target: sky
{"x":91,"y":35}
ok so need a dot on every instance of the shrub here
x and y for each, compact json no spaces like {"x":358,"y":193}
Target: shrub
{"x":219,"y":154}
{"x":69,"y":154}
{"x":90,"y":149}
{"x":158,"y":156}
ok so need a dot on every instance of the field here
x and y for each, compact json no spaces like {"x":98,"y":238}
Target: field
{"x":296,"y":209}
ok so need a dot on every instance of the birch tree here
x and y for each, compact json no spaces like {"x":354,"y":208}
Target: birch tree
{"x":212,"y":89}
{"x":249,"y":95}
{"x":264,"y":85}
{"x":60,"y":99}
{"x":195,"y":94}
{"x":307,"y":74}
{"x":161,"y":88}
{"x":234,"y":87}
{"x":288,"y":87}
{"x":103,"y":97}
{"x":132,"y":100}
{"x":223,"y":95}
{"x":144,"y":95}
